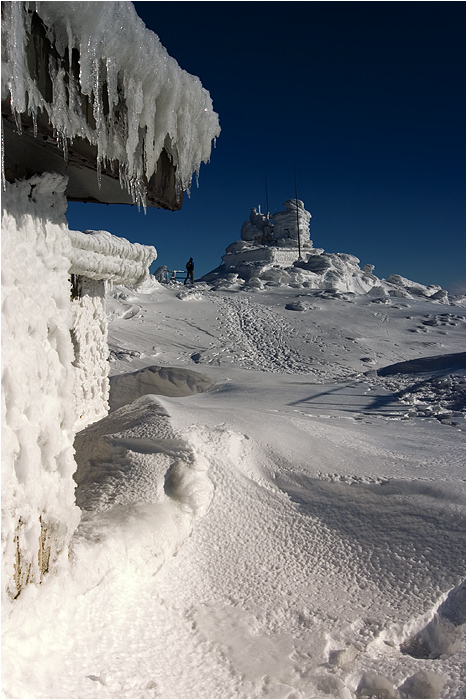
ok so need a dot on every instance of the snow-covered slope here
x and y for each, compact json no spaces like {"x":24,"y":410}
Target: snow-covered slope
{"x":307,"y":469}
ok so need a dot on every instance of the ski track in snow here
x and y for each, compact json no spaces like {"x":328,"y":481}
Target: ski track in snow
{"x":252,"y":335}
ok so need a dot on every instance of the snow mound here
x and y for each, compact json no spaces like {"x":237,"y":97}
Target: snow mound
{"x":296,"y":306}
{"x":165,"y":381}
{"x":426,"y":364}
{"x":140,"y":487}
{"x":334,"y":273}
{"x":190,"y":295}
{"x":400,"y":286}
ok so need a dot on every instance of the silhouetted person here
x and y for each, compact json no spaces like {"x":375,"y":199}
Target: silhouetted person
{"x":190,"y":266}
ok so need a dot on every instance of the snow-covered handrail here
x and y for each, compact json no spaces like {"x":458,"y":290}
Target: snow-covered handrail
{"x":100,"y":255}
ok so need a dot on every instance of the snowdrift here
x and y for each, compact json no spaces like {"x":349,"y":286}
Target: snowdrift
{"x":165,"y":381}
{"x":140,"y":488}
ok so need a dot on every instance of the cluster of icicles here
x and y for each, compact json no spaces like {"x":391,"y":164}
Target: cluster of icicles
{"x":151,"y":103}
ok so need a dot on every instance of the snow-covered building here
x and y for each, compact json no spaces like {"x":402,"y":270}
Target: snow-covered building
{"x":267,"y":240}
{"x":93,"y":109}
{"x":268,"y":253}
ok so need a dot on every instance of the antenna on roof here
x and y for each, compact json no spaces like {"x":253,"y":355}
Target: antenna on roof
{"x":267,"y":198}
{"x":296,"y":202}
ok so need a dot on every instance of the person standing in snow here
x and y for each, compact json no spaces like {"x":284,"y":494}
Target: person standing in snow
{"x":190,"y":266}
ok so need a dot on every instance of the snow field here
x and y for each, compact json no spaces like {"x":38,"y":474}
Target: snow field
{"x":318,"y":526}
{"x":292,"y":588}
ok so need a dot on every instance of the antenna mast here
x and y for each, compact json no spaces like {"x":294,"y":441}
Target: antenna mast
{"x":296,"y":203}
{"x":267,"y":198}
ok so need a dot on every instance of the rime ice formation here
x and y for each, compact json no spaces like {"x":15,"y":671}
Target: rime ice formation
{"x":268,"y":255}
{"x":102,"y":256}
{"x":269,"y":241}
{"x":142,"y":101}
{"x":54,"y":365}
{"x":38,"y":416}
{"x":90,"y":74}
{"x":282,"y":229}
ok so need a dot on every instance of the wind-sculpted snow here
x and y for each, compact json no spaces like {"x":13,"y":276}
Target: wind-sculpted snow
{"x":316,"y":508}
{"x":100,"y":255}
{"x":167,"y":381}
{"x":138,"y":481}
{"x":268,"y":255}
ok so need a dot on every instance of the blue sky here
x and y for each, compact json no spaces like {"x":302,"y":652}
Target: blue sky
{"x":365,"y":99}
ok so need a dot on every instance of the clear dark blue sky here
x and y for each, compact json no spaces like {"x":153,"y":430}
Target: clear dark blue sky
{"x":367,"y":99}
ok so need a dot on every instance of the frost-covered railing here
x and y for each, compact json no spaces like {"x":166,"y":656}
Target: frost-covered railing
{"x":101,"y":256}
{"x":107,"y":80}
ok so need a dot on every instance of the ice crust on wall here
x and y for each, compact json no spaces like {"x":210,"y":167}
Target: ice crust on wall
{"x":89,"y":334}
{"x":153,"y":103}
{"x":54,"y":365}
{"x":38,"y":380}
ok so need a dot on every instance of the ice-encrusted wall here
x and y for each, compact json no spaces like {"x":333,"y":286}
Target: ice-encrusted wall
{"x":89,"y":335}
{"x":54,"y":365}
{"x":38,"y":506}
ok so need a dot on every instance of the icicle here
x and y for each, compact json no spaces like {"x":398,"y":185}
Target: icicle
{"x":34,"y":123}
{"x":65,"y":148}
{"x":3,"y":164}
{"x":152,"y":101}
{"x":19,"y":127}
{"x":99,"y":172}
{"x":15,"y":46}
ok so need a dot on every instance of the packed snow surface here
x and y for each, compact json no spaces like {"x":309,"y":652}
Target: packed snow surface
{"x":142,"y":100}
{"x":314,"y":500}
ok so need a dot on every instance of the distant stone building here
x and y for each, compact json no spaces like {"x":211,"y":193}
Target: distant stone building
{"x":267,"y":240}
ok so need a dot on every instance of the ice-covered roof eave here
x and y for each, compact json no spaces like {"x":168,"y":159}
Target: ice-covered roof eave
{"x":88,"y":91}
{"x":27,"y":154}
